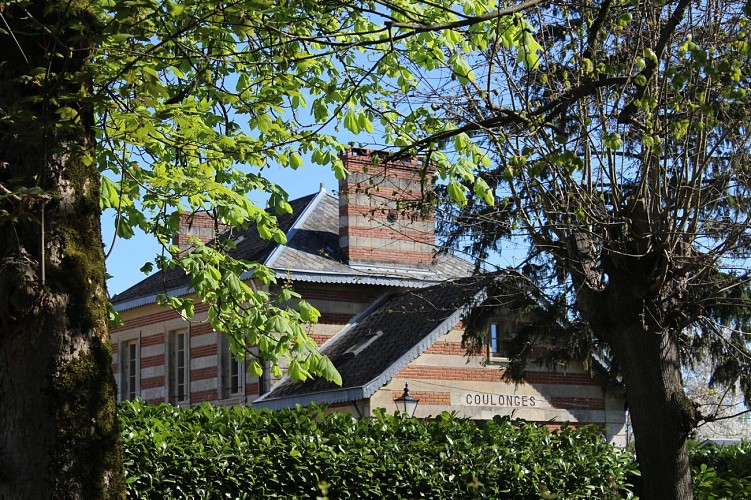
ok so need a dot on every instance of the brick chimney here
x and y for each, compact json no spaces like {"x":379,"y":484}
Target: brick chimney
{"x":381,"y":220}
{"x":199,"y":225}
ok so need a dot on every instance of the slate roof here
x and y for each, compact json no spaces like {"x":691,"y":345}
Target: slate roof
{"x":372,"y":349}
{"x":311,"y":254}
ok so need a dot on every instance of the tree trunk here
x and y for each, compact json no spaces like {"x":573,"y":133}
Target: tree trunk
{"x":661,"y":414}
{"x":59,"y":436}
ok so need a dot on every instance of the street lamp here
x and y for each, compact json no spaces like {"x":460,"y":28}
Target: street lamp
{"x":406,"y":403}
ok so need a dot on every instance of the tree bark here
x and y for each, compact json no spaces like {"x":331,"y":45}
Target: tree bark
{"x":59,"y":435}
{"x":625,"y":315}
{"x":639,"y":317}
{"x":661,"y":414}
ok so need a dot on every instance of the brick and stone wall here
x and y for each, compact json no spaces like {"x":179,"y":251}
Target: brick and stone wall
{"x":444,"y":378}
{"x":385,"y":216}
{"x":200,"y":225}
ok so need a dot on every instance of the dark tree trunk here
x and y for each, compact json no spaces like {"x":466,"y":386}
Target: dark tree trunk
{"x":661,"y":414}
{"x":630,"y":315}
{"x":59,"y":436}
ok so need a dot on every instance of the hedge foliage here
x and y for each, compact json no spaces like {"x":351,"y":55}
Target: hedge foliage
{"x":722,"y":472}
{"x":241,"y":452}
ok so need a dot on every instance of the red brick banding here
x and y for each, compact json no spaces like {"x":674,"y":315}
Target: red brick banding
{"x":201,"y":329}
{"x":492,"y":375}
{"x":152,"y":382}
{"x":447,"y":348}
{"x":203,"y":351}
{"x":166,"y":315}
{"x":151,"y":340}
{"x":384,"y":255}
{"x":453,"y":373}
{"x":411,"y":235}
{"x":201,"y":396}
{"x":152,"y":361}
{"x":320,"y":339}
{"x":538,"y":377}
{"x":203,"y":373}
{"x":251,"y":389}
{"x":426,"y":397}
{"x":335,"y":319}
{"x":358,"y":295}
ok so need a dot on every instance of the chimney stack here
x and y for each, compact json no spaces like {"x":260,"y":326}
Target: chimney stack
{"x":382,"y":222}
{"x":200,"y":224}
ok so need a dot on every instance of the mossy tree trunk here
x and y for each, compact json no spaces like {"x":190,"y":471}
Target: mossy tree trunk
{"x":58,"y":428}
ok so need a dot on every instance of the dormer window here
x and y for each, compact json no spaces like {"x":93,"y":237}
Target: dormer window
{"x":500,"y":333}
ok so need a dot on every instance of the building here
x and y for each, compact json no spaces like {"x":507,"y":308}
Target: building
{"x":391,"y":314}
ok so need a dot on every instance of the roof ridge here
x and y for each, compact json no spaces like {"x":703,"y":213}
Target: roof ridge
{"x":299,"y":221}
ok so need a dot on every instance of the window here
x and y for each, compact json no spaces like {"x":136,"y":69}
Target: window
{"x":233,"y":370}
{"x":495,"y":340}
{"x":129,"y":372}
{"x":179,"y":366}
{"x":500,"y":333}
{"x":266,"y":379}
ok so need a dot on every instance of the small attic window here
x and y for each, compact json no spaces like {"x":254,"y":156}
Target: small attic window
{"x":363,"y":343}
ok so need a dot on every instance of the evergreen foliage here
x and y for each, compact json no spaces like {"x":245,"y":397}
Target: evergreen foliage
{"x":722,"y":472}
{"x":241,"y":452}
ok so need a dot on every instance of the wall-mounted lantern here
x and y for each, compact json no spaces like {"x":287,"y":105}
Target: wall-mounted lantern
{"x":406,"y":403}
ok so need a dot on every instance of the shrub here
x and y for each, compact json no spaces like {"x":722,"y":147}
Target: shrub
{"x":241,"y":452}
{"x":722,"y":472}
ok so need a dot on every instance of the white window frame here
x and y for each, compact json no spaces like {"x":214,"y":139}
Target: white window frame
{"x":179,"y":367}
{"x":130,"y":369}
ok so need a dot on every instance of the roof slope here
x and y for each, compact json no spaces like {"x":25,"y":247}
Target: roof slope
{"x":311,"y":254}
{"x":376,"y":346}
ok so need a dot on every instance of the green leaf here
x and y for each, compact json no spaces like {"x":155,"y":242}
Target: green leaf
{"x":329,"y":371}
{"x":351,"y":123}
{"x":483,"y":191}
{"x":308,"y":313}
{"x":339,"y":171}
{"x":264,"y":231}
{"x":295,"y":161}
{"x":456,"y":193}
{"x":67,"y":114}
{"x":612,"y":141}
{"x":365,"y":123}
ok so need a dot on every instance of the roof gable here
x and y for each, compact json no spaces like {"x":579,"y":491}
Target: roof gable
{"x":372,"y":349}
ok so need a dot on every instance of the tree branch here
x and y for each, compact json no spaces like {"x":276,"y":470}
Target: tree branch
{"x":651,"y":64}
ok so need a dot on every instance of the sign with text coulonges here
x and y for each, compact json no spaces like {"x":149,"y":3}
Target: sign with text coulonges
{"x":502,"y":400}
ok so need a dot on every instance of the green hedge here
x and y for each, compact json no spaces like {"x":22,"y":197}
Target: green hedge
{"x":241,"y":452}
{"x":722,"y":472}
